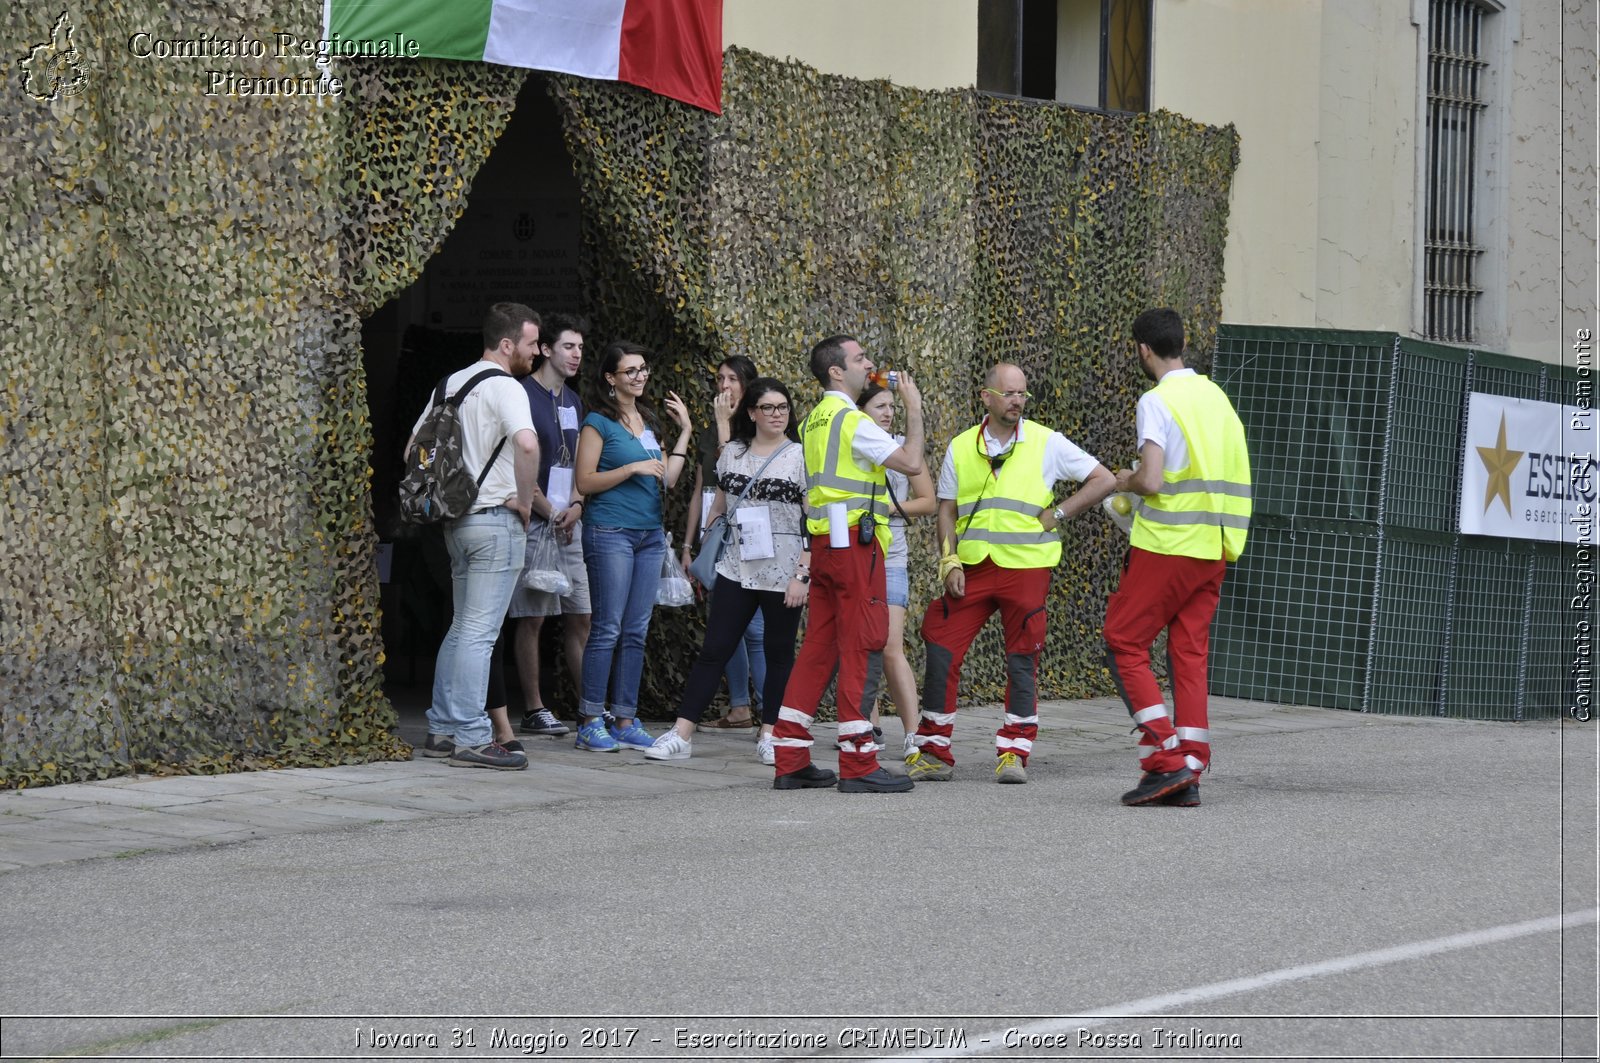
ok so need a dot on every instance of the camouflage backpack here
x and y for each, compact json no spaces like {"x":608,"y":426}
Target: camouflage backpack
{"x":437,"y":485}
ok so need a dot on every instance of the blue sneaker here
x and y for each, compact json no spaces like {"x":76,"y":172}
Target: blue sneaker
{"x":592,"y":735}
{"x":632,"y":736}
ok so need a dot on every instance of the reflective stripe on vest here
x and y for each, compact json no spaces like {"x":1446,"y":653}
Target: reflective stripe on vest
{"x":997,"y":512}
{"x":1204,"y":510}
{"x":833,"y":475}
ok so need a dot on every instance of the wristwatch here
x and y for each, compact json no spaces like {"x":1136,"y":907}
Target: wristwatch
{"x":1061,"y":518}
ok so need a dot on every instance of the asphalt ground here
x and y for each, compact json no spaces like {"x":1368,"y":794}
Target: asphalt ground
{"x":1354,"y":887}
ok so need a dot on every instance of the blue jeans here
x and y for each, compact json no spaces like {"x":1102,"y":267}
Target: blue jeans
{"x":748,"y":663}
{"x":624,"y":566}
{"x":486,"y":551}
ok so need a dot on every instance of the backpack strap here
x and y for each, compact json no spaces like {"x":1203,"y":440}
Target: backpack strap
{"x":456,"y":400}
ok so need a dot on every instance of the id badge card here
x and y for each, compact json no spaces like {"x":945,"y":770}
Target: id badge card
{"x":648,"y":442}
{"x":567,"y":418}
{"x":560,"y":490}
{"x":755,"y":533}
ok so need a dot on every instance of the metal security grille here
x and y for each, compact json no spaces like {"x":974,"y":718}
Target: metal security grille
{"x":1354,"y":590}
{"x":1455,"y":82}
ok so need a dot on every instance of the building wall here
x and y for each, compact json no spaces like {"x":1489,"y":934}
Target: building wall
{"x":1366,"y":137}
{"x":1577,"y":152}
{"x":925,"y":44}
{"x":1254,"y":65}
{"x":1533,"y":293}
{"x":1326,"y":202}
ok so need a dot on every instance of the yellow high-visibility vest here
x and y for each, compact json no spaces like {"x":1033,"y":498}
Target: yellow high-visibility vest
{"x":1204,"y":510}
{"x":834,"y":475}
{"x":997,"y":510}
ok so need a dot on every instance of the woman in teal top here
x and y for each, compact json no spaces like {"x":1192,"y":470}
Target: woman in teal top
{"x":621,"y":470}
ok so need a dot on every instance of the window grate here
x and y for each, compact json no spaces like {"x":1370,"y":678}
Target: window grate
{"x":1456,"y":73}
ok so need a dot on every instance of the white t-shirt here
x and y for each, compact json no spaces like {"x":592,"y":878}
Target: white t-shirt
{"x":1063,"y":460}
{"x":872,"y":444}
{"x":495,"y":409}
{"x":1155,"y":424}
{"x":899,"y":551}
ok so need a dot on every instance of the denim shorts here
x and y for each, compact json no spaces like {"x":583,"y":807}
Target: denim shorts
{"x":898,"y":580}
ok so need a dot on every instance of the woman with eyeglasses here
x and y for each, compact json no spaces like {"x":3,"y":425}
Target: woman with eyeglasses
{"x":621,"y":471}
{"x":909,"y":498}
{"x":747,"y":665}
{"x":766,"y":567}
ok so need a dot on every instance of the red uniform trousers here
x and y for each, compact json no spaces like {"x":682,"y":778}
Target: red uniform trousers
{"x":948,"y":628}
{"x":1180,"y":594}
{"x":847,"y":623}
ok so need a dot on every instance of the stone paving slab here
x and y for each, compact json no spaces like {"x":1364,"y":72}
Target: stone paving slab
{"x":79,"y":821}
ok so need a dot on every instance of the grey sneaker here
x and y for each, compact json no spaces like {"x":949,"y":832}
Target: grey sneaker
{"x":488,"y":756}
{"x":924,"y":767}
{"x":1010,"y":769}
{"x":437,"y":746}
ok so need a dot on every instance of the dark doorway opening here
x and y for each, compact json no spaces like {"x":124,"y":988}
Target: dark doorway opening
{"x":518,"y":240}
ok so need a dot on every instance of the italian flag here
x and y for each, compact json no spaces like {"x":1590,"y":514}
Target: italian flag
{"x":671,"y":47}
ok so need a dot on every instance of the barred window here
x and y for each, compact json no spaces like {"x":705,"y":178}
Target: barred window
{"x":1456,"y":76}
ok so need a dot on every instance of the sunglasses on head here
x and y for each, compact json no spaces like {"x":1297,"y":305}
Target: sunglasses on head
{"x":995,"y":460}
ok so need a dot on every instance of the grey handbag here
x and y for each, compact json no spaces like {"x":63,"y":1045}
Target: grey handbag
{"x":719,"y":533}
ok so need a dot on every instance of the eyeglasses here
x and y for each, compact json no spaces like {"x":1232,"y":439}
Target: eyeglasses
{"x":1009,"y":395}
{"x":771,"y":408}
{"x":636,"y":372}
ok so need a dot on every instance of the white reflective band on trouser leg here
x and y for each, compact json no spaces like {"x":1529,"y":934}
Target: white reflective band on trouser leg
{"x":1154,"y":712}
{"x":1170,"y":743}
{"x":934,"y":740}
{"x":1194,"y":764}
{"x":792,"y":743}
{"x":796,"y":716}
{"x":1021,"y":745}
{"x":854,"y":727}
{"x":939,"y":719}
{"x":1018,"y":721}
{"x":1195,"y":734}
{"x":869,"y":746}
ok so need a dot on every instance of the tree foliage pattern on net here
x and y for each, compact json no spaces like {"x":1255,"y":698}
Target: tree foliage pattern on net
{"x":188,"y":579}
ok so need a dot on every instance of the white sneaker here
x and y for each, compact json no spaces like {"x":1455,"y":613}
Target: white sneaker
{"x":764,"y":751}
{"x":670,"y":746}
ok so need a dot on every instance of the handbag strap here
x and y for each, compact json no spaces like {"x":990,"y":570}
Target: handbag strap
{"x":740,"y":497}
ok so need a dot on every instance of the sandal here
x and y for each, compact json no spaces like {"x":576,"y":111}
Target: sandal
{"x":726,"y":724}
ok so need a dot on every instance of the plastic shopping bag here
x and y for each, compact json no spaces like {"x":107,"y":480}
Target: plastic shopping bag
{"x":674,"y":590}
{"x":543,"y":571}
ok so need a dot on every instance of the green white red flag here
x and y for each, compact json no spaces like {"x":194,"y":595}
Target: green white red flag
{"x":671,"y":47}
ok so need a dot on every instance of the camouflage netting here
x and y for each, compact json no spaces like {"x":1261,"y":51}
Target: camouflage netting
{"x":946,"y":230}
{"x":188,"y":552}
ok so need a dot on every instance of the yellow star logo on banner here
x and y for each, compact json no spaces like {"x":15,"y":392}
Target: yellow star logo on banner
{"x":1499,"y":462}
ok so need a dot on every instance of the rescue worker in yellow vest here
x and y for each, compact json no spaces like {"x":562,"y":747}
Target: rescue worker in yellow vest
{"x":1190,"y":521}
{"x":998,"y":529}
{"x":847,"y":516}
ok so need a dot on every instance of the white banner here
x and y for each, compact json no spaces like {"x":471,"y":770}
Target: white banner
{"x":1528,"y":471}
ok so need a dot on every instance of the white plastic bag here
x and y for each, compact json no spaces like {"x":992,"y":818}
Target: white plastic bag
{"x":674,"y":590}
{"x":543,"y":571}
